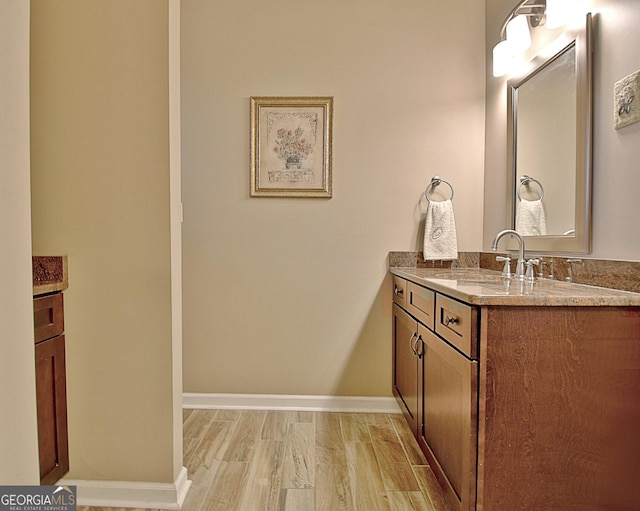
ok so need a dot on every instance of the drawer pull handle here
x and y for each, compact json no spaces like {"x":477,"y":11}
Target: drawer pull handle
{"x":398,"y":291}
{"x":450,"y":320}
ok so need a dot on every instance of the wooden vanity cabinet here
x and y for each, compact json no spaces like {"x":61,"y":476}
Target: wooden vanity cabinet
{"x":51,"y":390}
{"x":524,"y":407}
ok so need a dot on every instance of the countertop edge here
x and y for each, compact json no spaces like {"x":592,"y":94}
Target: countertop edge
{"x":564,"y":294}
{"x":50,"y":274}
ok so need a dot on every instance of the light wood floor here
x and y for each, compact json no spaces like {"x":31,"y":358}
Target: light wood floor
{"x":256,"y":460}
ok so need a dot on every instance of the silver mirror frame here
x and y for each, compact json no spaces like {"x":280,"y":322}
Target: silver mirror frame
{"x":580,"y":243}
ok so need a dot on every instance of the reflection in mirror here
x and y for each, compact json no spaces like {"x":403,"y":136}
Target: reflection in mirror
{"x":546,"y":148}
{"x":531,"y":218}
{"x":550,"y":149}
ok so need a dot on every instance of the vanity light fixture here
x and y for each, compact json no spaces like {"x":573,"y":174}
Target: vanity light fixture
{"x":560,"y":12}
{"x":502,"y":58}
{"x":515,"y":36}
{"x":518,"y":35}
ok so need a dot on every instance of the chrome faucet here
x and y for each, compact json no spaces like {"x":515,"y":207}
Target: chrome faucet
{"x":520,"y":264}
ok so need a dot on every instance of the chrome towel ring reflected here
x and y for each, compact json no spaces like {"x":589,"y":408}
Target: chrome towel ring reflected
{"x":435,"y":181}
{"x":525,"y":181}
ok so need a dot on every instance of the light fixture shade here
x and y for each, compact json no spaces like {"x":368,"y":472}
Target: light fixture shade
{"x":518,"y":34}
{"x":559,"y":12}
{"x":502,"y":57}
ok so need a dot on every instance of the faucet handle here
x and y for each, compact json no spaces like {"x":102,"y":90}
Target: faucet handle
{"x":530,"y":263}
{"x":546,"y":265}
{"x":506,"y":271}
{"x":570,"y":263}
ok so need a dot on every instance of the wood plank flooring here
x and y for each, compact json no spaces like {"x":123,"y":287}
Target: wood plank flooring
{"x":258,"y":460}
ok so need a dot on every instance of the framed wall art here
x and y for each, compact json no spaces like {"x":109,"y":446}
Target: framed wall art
{"x":627,"y":90}
{"x":291,"y":146}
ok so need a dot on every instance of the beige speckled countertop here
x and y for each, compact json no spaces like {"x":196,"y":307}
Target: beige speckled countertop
{"x":486,"y":287}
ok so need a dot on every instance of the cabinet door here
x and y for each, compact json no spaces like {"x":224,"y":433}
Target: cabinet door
{"x":449,"y":425}
{"x":405,"y":365}
{"x":51,"y":397}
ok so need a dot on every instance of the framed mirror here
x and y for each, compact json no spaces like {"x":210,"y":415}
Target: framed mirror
{"x":549,"y":128}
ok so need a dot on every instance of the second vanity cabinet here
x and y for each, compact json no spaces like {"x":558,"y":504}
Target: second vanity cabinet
{"x":51,"y":389}
{"x":521,"y":402}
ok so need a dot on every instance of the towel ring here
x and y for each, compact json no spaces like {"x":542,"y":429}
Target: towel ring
{"x":525,"y":180}
{"x":435,"y":181}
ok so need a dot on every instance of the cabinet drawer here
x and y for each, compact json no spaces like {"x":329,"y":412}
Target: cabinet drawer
{"x":421,"y":303}
{"x":48,"y":316}
{"x":399,"y":291}
{"x":457,"y":323}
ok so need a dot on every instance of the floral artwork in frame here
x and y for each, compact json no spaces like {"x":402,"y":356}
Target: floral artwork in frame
{"x":291,"y":146}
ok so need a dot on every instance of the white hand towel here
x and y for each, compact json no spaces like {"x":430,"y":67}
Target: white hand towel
{"x":440,"y":241}
{"x":530,"y":218}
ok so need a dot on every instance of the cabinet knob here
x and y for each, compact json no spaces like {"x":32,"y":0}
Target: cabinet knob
{"x":397,"y":290}
{"x":450,"y":320}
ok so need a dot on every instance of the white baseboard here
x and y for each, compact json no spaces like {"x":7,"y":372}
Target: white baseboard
{"x":291,"y":402}
{"x":131,"y":494}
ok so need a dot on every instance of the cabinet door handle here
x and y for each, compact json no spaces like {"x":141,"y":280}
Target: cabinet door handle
{"x":411,"y":343}
{"x":419,"y":342}
{"x":450,"y":320}
{"x":397,"y":290}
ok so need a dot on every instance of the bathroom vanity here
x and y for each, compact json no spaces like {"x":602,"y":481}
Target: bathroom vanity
{"x":521,"y":395}
{"x":49,"y":280}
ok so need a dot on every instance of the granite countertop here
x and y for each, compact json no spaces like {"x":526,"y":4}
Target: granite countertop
{"x":487,"y":287}
{"x":50,"y":274}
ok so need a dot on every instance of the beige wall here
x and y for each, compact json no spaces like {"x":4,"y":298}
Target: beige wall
{"x":615,"y":165}
{"x":18,"y":435}
{"x":289,"y":295}
{"x":101,"y":191}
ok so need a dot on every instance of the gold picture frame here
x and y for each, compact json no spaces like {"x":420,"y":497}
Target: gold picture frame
{"x":291,"y":146}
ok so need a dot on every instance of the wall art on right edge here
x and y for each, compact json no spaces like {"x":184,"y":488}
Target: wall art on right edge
{"x":626,"y":101}
{"x":291,"y":146}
